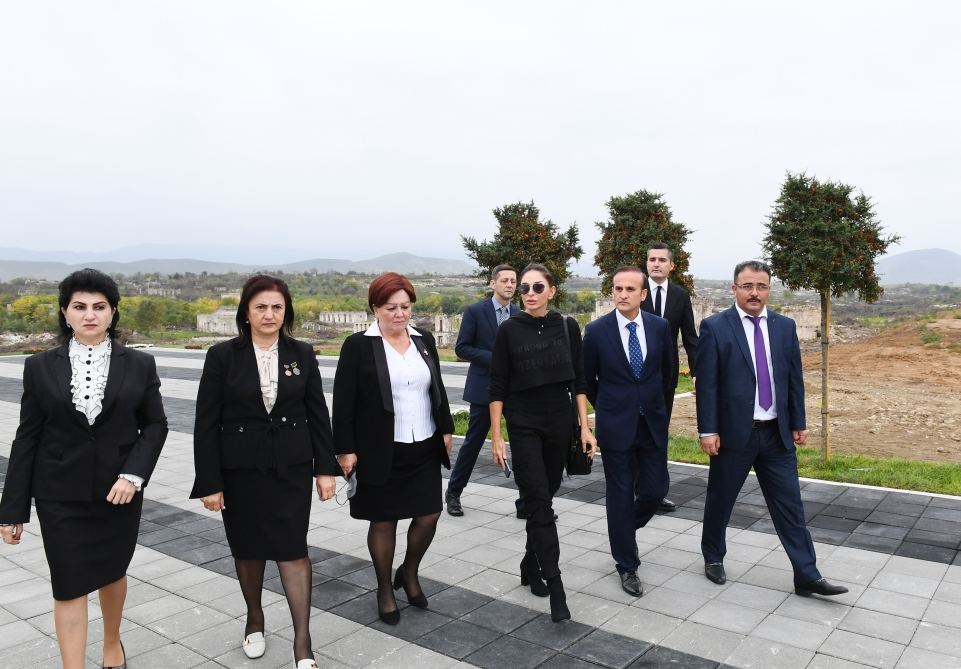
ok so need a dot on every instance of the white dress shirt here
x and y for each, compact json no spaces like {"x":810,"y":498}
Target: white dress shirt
{"x":89,"y":368}
{"x":268,"y":370}
{"x":622,"y":322}
{"x":409,"y":388}
{"x":760,"y":413}
{"x":652,"y":286}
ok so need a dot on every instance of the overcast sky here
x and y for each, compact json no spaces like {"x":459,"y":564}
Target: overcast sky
{"x":354,"y":129}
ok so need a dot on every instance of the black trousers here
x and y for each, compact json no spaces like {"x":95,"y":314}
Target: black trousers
{"x":539,"y":441}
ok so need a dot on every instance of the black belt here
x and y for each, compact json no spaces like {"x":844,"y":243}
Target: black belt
{"x":759,"y":424}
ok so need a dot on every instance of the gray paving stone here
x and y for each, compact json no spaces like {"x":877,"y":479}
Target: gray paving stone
{"x":157,"y":609}
{"x":458,"y":638}
{"x":457,"y":602}
{"x":797,"y":633}
{"x":756,"y":597}
{"x":217,"y":640}
{"x":728,"y":616}
{"x":333,"y":593}
{"x":938,"y":639}
{"x":821,"y":661}
{"x":659,"y":657}
{"x":170,"y":655}
{"x":756,"y":653}
{"x":864,"y":649}
{"x":557,"y":636}
{"x":610,"y":650}
{"x":893,"y":602}
{"x":32,"y":652}
{"x":703,"y":641}
{"x":880,"y":625}
{"x":917,"y":658}
{"x":511,"y":652}
{"x":363,"y":647}
{"x":414,"y":623}
{"x":500,"y":616}
{"x":184,"y":623}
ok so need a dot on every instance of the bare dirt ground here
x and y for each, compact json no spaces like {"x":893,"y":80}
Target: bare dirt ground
{"x":891,"y":395}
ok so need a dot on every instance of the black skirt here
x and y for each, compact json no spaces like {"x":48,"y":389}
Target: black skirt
{"x":266,"y":517}
{"x":412,"y":489}
{"x":88,"y":544}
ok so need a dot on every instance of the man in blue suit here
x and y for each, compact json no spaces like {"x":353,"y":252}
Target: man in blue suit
{"x":628,"y":363}
{"x":475,"y":341}
{"x":750,"y":412}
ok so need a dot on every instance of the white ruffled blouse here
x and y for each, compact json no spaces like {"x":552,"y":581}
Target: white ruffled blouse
{"x":267,"y":366}
{"x":89,"y":366}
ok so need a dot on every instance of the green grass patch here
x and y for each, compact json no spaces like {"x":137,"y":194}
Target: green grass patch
{"x":936,"y":477}
{"x":684,"y":384}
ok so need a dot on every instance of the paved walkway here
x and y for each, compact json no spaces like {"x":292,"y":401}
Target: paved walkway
{"x":897,"y":552}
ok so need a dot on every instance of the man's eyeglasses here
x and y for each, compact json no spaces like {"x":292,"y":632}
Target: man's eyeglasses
{"x":538,"y":288}
{"x":751,"y":287}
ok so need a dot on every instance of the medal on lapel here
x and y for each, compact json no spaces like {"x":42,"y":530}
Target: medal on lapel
{"x":291,"y":369}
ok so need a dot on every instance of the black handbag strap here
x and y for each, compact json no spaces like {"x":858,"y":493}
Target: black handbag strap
{"x":570,"y":386}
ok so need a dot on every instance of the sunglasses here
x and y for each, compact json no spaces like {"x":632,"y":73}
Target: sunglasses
{"x":538,"y":288}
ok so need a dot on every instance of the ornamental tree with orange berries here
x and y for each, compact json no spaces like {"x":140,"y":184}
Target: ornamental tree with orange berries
{"x":822,"y":237}
{"x":637,"y":220}
{"x":522,"y":238}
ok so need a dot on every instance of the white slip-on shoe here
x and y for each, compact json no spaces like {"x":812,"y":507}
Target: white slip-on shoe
{"x":307,"y":663}
{"x":255,"y":645}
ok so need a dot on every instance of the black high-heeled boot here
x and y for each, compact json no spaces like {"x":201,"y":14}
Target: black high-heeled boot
{"x":559,"y":610}
{"x":531,"y":575}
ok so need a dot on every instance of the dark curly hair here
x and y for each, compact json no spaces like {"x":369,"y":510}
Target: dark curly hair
{"x":88,"y":280}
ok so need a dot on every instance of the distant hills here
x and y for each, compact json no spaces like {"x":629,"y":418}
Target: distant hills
{"x":938,"y":266}
{"x":18,"y":263}
{"x":928,"y":266}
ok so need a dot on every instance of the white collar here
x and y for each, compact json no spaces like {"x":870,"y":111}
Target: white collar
{"x":374,"y":330}
{"x":76,"y":348}
{"x":743,"y":314}
{"x":663,"y":284}
{"x":622,"y":320}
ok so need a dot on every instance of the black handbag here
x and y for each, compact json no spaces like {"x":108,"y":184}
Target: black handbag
{"x":577,"y":463}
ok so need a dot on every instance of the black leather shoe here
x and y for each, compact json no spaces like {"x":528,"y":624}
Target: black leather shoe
{"x":523,"y":515}
{"x":120,"y":666}
{"x":631,"y":583}
{"x":667,"y":505}
{"x":400,"y":581}
{"x":453,"y":505}
{"x":819,"y":587}
{"x":715,"y":572}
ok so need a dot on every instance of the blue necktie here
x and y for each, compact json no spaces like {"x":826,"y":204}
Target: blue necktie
{"x":501,"y":315}
{"x":634,"y":350}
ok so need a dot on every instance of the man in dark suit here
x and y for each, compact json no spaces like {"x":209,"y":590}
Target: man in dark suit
{"x":627,"y":363}
{"x":750,"y":412}
{"x":670,"y":301}
{"x":475,"y":341}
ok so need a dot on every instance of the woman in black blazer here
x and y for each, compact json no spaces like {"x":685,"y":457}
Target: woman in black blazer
{"x":91,"y":428}
{"x":392,"y":425}
{"x":261,"y":433}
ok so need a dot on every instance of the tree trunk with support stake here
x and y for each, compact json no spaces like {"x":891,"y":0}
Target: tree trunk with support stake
{"x":825,"y":325}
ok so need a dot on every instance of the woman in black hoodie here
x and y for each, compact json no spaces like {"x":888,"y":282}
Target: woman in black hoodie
{"x":533,"y":372}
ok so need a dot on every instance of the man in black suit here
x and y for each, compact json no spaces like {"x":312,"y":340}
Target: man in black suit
{"x":672,"y":302}
{"x":750,"y":413}
{"x":475,"y":341}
